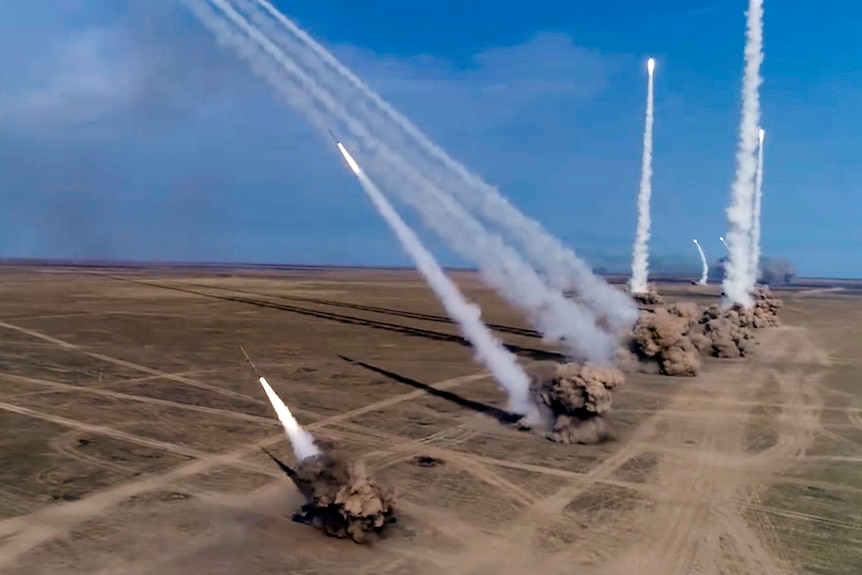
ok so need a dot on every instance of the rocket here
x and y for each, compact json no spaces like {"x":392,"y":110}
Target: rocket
{"x":251,"y":363}
{"x":347,"y":157}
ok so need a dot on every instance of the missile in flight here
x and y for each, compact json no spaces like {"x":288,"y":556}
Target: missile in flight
{"x":251,"y":363}
{"x":347,"y":157}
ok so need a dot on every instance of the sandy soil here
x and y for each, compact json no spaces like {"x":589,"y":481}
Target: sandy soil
{"x":131,"y":429}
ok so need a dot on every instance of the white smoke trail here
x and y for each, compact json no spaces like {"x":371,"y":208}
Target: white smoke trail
{"x":705,"y":273}
{"x":562,"y":268}
{"x":300,"y":439}
{"x":640,"y":257}
{"x":724,"y":243}
{"x":501,"y":267}
{"x":755,"y":223}
{"x":489,"y":350}
{"x":737,"y":271}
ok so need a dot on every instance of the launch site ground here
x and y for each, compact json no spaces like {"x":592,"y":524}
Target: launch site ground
{"x":132,"y":426}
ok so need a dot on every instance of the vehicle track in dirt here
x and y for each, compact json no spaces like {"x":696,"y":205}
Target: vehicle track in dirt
{"x":64,"y":445}
{"x":128,"y":364}
{"x":707,"y":530}
{"x":356,"y":432}
{"x":391,"y":447}
{"x":23,"y":533}
{"x":402,"y":448}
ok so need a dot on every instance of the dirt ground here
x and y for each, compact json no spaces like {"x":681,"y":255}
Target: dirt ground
{"x":131,"y":428}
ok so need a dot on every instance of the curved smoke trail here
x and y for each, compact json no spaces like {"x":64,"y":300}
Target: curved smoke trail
{"x":640,"y":257}
{"x":705,"y":273}
{"x":739,"y":213}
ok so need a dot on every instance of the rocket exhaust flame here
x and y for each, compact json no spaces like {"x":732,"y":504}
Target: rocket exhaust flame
{"x":705,"y":273}
{"x":300,"y":439}
{"x":640,"y":257}
{"x":349,"y":159}
{"x":489,"y":350}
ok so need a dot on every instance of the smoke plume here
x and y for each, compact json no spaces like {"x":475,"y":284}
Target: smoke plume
{"x":662,"y":337}
{"x":502,"y":363}
{"x":704,"y":276}
{"x":755,"y":216}
{"x":277,"y":58}
{"x":342,"y":499}
{"x":737,"y":280}
{"x":640,"y":257}
{"x":573,"y":402}
{"x":775,"y":271}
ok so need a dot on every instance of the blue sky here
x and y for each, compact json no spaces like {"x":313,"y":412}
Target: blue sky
{"x":125,"y":132}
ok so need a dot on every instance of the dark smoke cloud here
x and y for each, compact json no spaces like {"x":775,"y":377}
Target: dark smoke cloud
{"x":573,"y":401}
{"x":776,"y":271}
{"x":773,"y":271}
{"x":343,"y":500}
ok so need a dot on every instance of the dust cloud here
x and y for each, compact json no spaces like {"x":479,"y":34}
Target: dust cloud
{"x":648,"y":298}
{"x":663,"y":337}
{"x":671,"y":339}
{"x":729,"y":332}
{"x":573,"y":401}
{"x":766,"y":308}
{"x":343,"y":500}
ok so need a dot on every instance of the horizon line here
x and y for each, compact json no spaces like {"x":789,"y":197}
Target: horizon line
{"x":179,"y":264}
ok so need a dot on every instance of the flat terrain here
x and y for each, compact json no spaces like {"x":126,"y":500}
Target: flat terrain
{"x":131,"y":428}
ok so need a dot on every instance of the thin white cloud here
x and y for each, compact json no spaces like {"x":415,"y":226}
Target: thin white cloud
{"x":497,"y":85}
{"x":112,"y":116}
{"x":84,"y":75}
{"x":81,"y":78}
